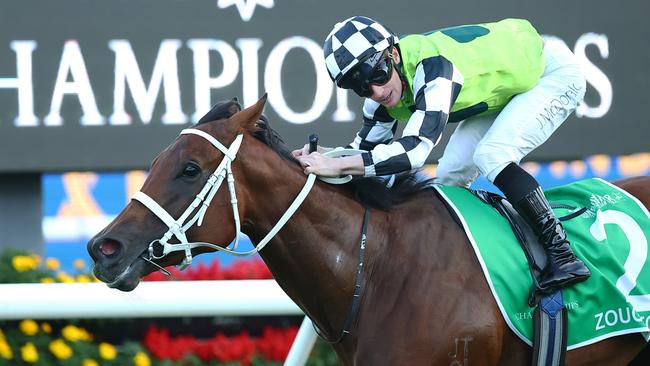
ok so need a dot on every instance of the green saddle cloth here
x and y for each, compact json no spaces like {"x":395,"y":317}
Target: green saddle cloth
{"x":610,"y":237}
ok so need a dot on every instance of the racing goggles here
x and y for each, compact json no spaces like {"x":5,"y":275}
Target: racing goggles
{"x":376,"y":70}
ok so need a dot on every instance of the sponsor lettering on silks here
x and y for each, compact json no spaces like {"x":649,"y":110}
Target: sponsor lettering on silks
{"x":599,"y":201}
{"x":571,"y":305}
{"x":557,"y":105}
{"x":613,"y":317}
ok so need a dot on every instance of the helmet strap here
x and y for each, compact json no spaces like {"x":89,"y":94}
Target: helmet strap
{"x":398,"y":68}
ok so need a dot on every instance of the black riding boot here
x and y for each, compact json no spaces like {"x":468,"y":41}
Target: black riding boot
{"x":562,"y":266}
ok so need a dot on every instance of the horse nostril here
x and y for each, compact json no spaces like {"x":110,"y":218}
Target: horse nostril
{"x":108,"y":247}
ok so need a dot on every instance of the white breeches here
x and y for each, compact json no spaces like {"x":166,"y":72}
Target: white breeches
{"x":486,"y":145}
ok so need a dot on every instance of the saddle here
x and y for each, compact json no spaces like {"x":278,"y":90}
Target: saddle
{"x":550,"y":315}
{"x":527,"y":238}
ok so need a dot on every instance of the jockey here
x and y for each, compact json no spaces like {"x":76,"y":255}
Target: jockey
{"x":507,"y":88}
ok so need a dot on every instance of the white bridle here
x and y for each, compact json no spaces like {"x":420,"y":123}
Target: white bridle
{"x":202,"y":201}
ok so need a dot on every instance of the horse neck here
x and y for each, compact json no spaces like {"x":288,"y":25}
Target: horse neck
{"x":314,"y":256}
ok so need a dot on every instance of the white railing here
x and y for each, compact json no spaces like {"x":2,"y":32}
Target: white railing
{"x":156,"y":299}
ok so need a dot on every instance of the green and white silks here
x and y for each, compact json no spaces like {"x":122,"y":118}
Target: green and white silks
{"x":611,"y":237}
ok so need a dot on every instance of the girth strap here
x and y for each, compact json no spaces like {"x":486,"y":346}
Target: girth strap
{"x":551,"y":322}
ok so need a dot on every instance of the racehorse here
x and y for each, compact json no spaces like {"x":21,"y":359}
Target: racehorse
{"x":423,"y":297}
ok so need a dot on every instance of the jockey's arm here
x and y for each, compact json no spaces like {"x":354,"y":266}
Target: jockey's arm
{"x":434,"y":94}
{"x":378,"y":127}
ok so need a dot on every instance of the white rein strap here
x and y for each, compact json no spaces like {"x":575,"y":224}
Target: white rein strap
{"x":203,"y":198}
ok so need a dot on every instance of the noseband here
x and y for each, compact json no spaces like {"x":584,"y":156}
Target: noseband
{"x":159,"y":248}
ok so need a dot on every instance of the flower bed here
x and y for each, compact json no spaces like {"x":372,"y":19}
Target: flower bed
{"x":273,"y":345}
{"x":32,"y":343}
{"x":67,"y":343}
{"x":240,"y":270}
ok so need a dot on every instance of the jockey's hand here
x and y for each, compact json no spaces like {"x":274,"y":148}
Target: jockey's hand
{"x":301,"y":152}
{"x":305,"y":151}
{"x":322,"y":165}
{"x":319,"y":164}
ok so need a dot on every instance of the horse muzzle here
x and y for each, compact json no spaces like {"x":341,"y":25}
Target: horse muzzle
{"x":112,"y":265}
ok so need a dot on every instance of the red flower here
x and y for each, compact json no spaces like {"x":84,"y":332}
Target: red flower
{"x":245,"y":270}
{"x":238,"y":270}
{"x":155,"y":276}
{"x":162,"y":346}
{"x":273,"y":345}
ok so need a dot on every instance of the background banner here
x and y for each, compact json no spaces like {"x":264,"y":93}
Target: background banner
{"x":105,"y":85}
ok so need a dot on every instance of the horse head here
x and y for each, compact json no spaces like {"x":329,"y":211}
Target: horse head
{"x":181,"y":189}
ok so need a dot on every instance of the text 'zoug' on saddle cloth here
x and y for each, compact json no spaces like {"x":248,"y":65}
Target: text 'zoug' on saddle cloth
{"x":611,"y":237}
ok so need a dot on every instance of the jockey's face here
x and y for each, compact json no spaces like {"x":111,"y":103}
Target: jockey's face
{"x":390,"y":93}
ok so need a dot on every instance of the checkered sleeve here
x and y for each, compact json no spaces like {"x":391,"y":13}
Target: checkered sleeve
{"x":378,"y":127}
{"x":436,"y":86}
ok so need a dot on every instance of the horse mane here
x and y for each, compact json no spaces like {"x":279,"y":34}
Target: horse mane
{"x":222,"y":110}
{"x":370,"y":191}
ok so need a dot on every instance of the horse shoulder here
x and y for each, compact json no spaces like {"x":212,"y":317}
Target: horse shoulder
{"x":424,"y":289}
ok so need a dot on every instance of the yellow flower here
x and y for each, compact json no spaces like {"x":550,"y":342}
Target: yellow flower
{"x":36,"y":258}
{"x":83,"y":278}
{"x":107,"y":351}
{"x":47,"y":280}
{"x":79,"y":264}
{"x":5,"y":350}
{"x":2,"y":335}
{"x":141,"y":359}
{"x":24,"y":263}
{"x":52,"y":263}
{"x":60,"y":349}
{"x":64,"y":277}
{"x":89,"y":362}
{"x":73,"y":334}
{"x":29,"y":352}
{"x":28,"y":327}
{"x":46,"y":327}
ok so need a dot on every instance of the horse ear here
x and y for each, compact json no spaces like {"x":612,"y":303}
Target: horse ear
{"x":248,"y":118}
{"x":221,"y":110}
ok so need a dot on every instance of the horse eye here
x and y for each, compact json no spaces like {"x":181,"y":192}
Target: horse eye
{"x":191,"y":170}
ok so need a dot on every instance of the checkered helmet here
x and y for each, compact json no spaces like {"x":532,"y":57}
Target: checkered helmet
{"x":353,"y":41}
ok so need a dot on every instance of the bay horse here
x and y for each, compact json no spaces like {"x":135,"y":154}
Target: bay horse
{"x":423,"y":296}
